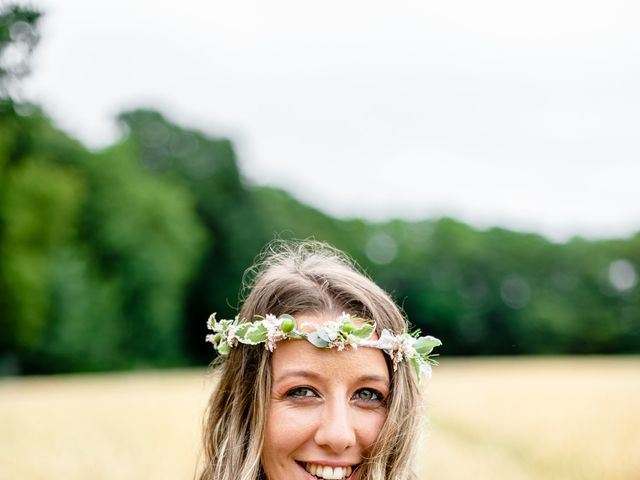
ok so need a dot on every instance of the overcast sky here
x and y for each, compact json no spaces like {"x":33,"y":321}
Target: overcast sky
{"x":524,"y":114}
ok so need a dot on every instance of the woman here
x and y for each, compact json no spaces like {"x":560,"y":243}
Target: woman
{"x":320,"y":382}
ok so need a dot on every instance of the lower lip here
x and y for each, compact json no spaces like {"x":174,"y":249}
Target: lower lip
{"x":308,"y":476}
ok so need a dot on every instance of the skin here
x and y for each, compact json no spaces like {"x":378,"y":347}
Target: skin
{"x":326,"y":407}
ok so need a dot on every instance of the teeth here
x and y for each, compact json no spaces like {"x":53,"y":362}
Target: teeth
{"x":328,"y":473}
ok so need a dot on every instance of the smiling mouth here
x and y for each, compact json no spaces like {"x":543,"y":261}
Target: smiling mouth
{"x":328,"y":473}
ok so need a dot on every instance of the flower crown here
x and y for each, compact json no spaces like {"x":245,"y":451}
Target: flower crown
{"x":340,"y":334}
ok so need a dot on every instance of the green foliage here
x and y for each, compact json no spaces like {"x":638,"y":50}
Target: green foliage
{"x":144,"y":233}
{"x":235,"y":230}
{"x":39,"y":207}
{"x":113,"y":259}
{"x":97,"y":254}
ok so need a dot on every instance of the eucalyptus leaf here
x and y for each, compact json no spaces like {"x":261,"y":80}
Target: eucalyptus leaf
{"x":322,"y":333}
{"x":317,"y":340}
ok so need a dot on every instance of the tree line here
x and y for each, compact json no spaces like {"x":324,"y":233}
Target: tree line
{"x":113,"y":259}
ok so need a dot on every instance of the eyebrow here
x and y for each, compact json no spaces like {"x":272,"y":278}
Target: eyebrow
{"x":315,"y":376}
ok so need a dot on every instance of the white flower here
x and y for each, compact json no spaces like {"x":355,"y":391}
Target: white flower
{"x":352,"y":341}
{"x":341,"y":342}
{"x":274,"y":331}
{"x":387,"y":340}
{"x":272,"y":324}
{"x":399,"y":347}
{"x":230,"y":336}
{"x":425,"y":370}
{"x":271,"y":319}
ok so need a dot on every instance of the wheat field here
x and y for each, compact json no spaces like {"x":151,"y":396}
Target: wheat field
{"x":508,"y":418}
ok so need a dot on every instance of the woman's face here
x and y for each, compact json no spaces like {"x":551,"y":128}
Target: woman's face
{"x":326,"y":409}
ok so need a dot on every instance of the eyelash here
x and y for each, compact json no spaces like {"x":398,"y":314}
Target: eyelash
{"x":375,"y":393}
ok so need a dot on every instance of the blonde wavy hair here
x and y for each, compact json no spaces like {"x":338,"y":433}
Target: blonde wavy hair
{"x":296,"y":278}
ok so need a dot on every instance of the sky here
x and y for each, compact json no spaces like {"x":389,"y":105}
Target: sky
{"x":521,"y":114}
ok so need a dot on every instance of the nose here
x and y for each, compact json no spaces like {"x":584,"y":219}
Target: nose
{"x":336,"y":430}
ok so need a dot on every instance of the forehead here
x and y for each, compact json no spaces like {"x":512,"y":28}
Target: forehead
{"x":349,"y":364}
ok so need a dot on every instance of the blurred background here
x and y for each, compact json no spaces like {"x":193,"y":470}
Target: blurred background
{"x":479,"y":160}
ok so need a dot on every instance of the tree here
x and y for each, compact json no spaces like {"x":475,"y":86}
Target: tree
{"x":18,"y":37}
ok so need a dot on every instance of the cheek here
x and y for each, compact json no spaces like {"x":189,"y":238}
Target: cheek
{"x":370,"y":425}
{"x":287,"y":430}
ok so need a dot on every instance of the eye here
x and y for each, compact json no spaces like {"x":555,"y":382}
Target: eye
{"x":369,"y":395}
{"x":301,"y":392}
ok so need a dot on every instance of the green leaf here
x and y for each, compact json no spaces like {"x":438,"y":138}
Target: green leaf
{"x":425,"y":345}
{"x":364,"y":331}
{"x":212,"y":322}
{"x":257,"y":333}
{"x":241,"y":330}
{"x":347,"y":327}
{"x":416,"y":366}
